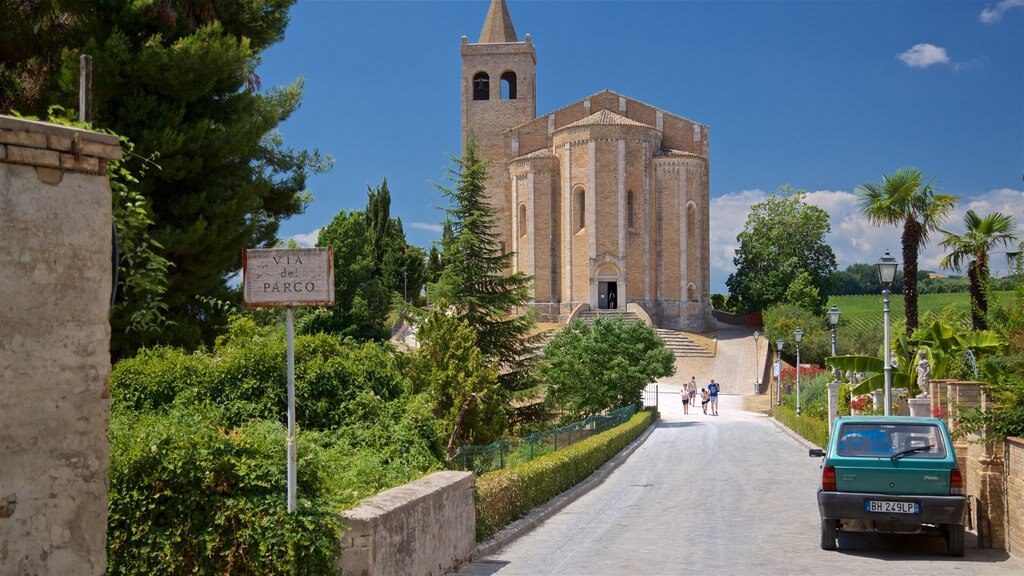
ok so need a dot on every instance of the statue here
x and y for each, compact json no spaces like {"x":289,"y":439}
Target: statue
{"x":924,"y":372}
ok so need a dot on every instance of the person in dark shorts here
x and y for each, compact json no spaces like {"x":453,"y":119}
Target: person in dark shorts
{"x":704,"y":399}
{"x":713,"y":389}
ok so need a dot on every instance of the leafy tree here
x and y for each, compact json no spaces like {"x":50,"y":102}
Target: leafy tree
{"x":782,"y":320}
{"x":783,"y":238}
{"x":970,"y":251}
{"x":803,"y":293}
{"x":177,"y":78}
{"x":361,"y":303}
{"x":476,"y":280}
{"x":607,"y":365}
{"x":373,"y":263}
{"x":900,"y":199}
{"x":460,"y":382}
{"x":860,"y":278}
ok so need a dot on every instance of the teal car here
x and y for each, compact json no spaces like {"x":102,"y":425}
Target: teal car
{"x":891,"y":474}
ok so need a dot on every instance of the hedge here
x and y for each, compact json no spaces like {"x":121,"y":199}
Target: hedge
{"x":506,"y":495}
{"x":813,"y":429}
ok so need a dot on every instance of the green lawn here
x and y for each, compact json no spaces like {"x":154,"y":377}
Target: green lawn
{"x":866,"y":309}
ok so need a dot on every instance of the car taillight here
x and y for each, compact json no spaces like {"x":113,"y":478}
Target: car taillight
{"x":828,"y":478}
{"x":956,"y":483}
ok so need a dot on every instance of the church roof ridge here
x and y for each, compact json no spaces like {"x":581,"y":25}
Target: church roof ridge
{"x":498,"y":26}
{"x":605,"y":117}
{"x":670,"y":152}
{"x":590,"y":97}
{"x":545,"y":152}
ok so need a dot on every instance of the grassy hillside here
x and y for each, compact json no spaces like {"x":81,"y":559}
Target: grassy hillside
{"x":863,"y":311}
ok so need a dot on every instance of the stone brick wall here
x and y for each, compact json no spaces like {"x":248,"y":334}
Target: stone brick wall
{"x":985,"y":483}
{"x":427,"y":526}
{"x":55,"y":265}
{"x":1015,"y":496}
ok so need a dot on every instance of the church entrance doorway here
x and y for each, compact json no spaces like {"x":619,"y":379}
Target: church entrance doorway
{"x":607,"y":295}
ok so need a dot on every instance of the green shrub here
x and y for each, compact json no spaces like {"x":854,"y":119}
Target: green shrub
{"x":506,"y":495}
{"x":813,"y":429}
{"x":198,"y":442}
{"x":189,"y":496}
{"x":844,"y":400}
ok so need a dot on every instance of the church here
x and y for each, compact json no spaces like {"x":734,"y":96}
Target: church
{"x":605,"y":201}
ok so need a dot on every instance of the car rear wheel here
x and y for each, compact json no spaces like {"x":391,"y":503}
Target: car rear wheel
{"x":955,"y":539}
{"x":829,"y":532}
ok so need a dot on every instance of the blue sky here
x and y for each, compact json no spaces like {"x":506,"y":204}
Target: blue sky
{"x":820,"y":95}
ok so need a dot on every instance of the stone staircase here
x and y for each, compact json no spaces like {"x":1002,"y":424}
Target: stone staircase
{"x":589,"y":316}
{"x":678,"y":342}
{"x":682,"y":346}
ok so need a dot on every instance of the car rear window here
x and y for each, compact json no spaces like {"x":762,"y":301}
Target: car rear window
{"x":888,"y":440}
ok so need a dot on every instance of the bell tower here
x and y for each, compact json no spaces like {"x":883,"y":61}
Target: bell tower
{"x":499,"y":91}
{"x":499,"y":87}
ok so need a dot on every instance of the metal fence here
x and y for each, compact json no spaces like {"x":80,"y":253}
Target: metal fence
{"x":506,"y":453}
{"x":650,"y":396}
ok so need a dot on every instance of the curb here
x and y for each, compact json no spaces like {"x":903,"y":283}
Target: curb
{"x":544,"y":511}
{"x":789,"y":432}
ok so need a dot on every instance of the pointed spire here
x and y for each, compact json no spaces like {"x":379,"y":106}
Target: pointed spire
{"x":498,"y":26}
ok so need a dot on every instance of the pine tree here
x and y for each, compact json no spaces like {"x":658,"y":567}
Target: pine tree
{"x":176,"y":77}
{"x":476,"y":281}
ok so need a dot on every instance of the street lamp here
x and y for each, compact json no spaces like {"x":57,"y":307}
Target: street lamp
{"x":833,"y":321}
{"x":757,"y":383}
{"x":778,"y":376}
{"x":886,"y":274}
{"x":798,"y":335}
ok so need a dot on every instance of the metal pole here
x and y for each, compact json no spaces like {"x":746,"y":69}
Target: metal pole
{"x":835,"y":371}
{"x":797,"y":378}
{"x":757,"y":383}
{"x":85,"y":88}
{"x":885,"y":358}
{"x":292,"y":460}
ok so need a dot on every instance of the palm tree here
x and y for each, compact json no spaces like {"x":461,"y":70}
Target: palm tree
{"x":971,"y":251}
{"x":900,"y":199}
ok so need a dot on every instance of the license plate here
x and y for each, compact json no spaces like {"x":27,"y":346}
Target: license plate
{"x":897,"y":507}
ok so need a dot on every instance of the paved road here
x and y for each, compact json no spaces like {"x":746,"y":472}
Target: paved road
{"x":726,"y":495}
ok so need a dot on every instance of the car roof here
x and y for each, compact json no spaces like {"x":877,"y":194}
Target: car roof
{"x":890,"y":419}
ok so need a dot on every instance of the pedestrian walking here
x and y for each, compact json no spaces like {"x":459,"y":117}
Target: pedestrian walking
{"x":713,"y":389}
{"x":684,"y":393}
{"x":704,"y":399}
{"x":693,"y":390}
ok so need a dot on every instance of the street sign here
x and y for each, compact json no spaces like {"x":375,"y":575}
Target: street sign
{"x":288,"y":277}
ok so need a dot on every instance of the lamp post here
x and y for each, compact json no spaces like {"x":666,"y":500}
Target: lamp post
{"x":833,"y":321}
{"x":778,"y":376}
{"x":798,"y":335}
{"x":757,"y":383}
{"x":886,"y":274}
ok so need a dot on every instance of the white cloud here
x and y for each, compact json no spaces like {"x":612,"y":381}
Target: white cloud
{"x":307,"y":240}
{"x":438,"y":228}
{"x":990,"y":15}
{"x":728,"y":217}
{"x":924,"y":55}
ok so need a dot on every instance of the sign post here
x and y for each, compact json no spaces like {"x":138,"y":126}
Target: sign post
{"x":287,"y":278}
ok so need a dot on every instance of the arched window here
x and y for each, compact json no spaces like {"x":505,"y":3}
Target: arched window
{"x":580,"y":211}
{"x":481,"y":86}
{"x":508,"y":86}
{"x":629,"y":209}
{"x":522,"y":219}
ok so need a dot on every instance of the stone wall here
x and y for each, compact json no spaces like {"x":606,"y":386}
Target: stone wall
{"x":55,"y":283}
{"x":426,"y":527}
{"x":1015,"y":496}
